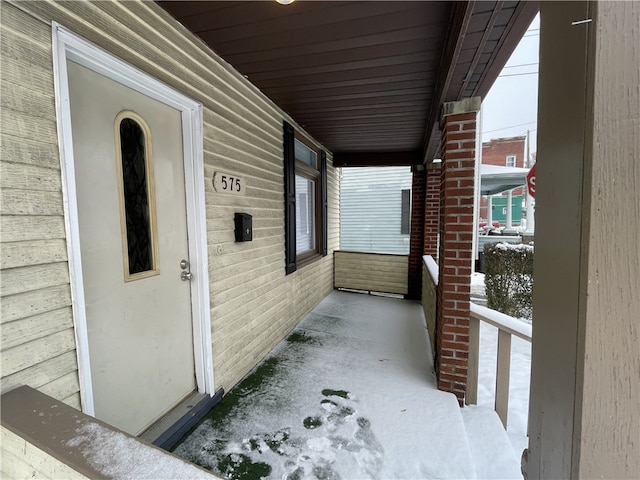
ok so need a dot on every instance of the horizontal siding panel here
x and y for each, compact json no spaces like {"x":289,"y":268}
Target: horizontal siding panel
{"x":14,"y":44}
{"x":225,"y":158}
{"x":21,"y":459}
{"x":239,"y":133}
{"x":27,"y":202}
{"x":252,"y":288}
{"x":42,"y":373}
{"x":23,"y":305}
{"x":31,"y":227}
{"x":21,"y":124}
{"x":62,"y":387}
{"x":73,"y":401}
{"x":28,"y":26}
{"x":31,"y":328}
{"x":35,"y":252}
{"x":36,"y":277}
{"x":19,"y":71}
{"x":31,"y":353}
{"x":29,"y":177}
{"x":371,"y":272}
{"x":29,"y":151}
{"x":23,"y":98}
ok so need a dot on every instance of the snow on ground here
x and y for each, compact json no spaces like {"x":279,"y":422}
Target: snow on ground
{"x":350,"y":394}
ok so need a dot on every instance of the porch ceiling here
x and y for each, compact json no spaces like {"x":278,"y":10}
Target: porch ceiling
{"x":365,"y":78}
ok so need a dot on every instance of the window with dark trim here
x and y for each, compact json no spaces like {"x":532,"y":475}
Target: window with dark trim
{"x":305,"y":183}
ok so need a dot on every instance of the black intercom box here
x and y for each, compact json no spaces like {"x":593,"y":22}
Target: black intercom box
{"x":244,"y":229}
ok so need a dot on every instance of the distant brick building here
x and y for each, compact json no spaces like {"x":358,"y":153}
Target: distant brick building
{"x":503,"y":152}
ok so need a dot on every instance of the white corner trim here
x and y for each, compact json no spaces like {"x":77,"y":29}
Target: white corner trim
{"x":68,"y":46}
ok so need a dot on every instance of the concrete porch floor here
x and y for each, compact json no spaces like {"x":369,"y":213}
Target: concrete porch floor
{"x":350,"y":394}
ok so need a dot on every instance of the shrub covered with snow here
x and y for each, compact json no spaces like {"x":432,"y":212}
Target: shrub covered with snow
{"x":509,"y":278}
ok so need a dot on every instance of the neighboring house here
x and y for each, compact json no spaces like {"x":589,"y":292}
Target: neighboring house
{"x":375,"y":209}
{"x":505,"y":152}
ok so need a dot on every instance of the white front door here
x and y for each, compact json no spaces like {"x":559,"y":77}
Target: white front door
{"x":130,"y":184}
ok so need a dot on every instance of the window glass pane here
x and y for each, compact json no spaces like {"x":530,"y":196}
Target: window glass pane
{"x":511,"y":161}
{"x":305,"y":215}
{"x":136,"y":197}
{"x":305,"y":154}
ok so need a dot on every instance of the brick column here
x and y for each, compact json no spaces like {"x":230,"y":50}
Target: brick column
{"x":432,"y":211}
{"x":416,"y":245}
{"x":458,"y":125}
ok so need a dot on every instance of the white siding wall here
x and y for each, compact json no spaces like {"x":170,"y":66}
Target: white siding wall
{"x":253,"y":303}
{"x":370,"y":209}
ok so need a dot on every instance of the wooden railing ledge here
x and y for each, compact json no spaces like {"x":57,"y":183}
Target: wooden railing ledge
{"x":432,"y":267}
{"x":500,"y":320}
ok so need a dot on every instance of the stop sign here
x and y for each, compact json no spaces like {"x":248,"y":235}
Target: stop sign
{"x":531,"y":181}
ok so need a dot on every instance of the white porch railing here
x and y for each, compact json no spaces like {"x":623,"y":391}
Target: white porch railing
{"x":507,"y":327}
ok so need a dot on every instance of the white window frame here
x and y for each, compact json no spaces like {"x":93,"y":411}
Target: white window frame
{"x":511,"y":157}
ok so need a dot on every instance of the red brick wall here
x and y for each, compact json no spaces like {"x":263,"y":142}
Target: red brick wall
{"x":495,"y":152}
{"x":416,"y":247}
{"x":432,"y":210}
{"x":456,"y":239}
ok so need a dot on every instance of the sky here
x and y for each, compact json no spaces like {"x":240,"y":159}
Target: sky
{"x":510,"y":107}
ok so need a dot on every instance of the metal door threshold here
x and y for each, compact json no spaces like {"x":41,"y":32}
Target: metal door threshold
{"x":167,"y":431}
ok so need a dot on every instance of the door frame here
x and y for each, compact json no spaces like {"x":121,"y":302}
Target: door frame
{"x":69,"y":46}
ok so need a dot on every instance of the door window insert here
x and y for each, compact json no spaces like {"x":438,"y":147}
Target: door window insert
{"x":137,"y":196}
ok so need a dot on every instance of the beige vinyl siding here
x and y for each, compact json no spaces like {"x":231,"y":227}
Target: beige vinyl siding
{"x":253,"y":304}
{"x":372,"y":272}
{"x":21,"y":459}
{"x":38,"y":343}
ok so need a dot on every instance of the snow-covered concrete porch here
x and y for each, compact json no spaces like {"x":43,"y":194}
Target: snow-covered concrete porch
{"x":351,"y":393}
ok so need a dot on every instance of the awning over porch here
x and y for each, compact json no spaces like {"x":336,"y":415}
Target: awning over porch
{"x":496,"y":179}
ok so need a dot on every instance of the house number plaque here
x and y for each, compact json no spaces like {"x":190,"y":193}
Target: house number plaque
{"x":228,"y":183}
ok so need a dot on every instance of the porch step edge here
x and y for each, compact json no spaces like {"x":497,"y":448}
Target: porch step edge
{"x":490,"y":445}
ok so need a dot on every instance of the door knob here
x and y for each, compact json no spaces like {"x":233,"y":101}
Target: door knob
{"x":186,"y":274}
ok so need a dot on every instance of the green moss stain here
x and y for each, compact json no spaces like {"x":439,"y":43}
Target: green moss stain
{"x":239,"y":466}
{"x":217,"y":417}
{"x":312,"y":422}
{"x":327,"y":392}
{"x":251,"y":384}
{"x":276,"y":440}
{"x":300,"y":337}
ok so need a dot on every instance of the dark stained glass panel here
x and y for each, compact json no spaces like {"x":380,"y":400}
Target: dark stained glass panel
{"x":136,"y":197}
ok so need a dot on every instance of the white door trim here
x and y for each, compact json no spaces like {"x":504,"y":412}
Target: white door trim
{"x":68,"y":46}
